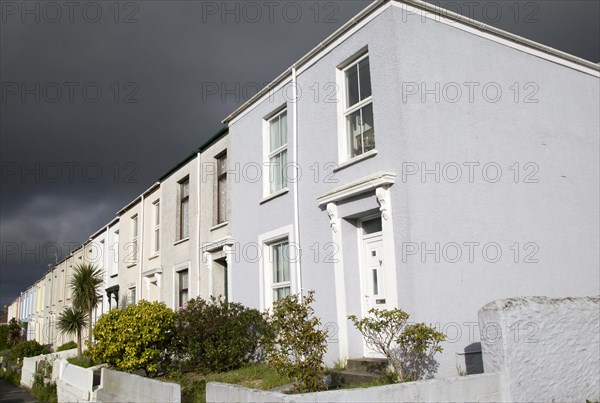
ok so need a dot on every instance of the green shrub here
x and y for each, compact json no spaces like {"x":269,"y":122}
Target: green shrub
{"x":4,"y":331}
{"x":133,"y":338}
{"x":216,"y":335}
{"x":28,"y":348}
{"x":409,"y":348}
{"x":10,"y":375}
{"x":67,"y":346}
{"x":296,"y":345}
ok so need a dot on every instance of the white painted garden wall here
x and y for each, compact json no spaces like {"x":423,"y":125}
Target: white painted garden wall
{"x":547,"y":349}
{"x":74,"y":383}
{"x":118,"y":386}
{"x":30,"y":365}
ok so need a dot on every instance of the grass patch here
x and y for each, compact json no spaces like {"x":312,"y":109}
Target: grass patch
{"x":255,"y":376}
{"x":45,"y":393}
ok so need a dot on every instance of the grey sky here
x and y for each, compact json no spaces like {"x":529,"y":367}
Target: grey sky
{"x":72,"y":156}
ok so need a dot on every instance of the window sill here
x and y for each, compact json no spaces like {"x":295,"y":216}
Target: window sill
{"x":274,"y":195}
{"x":154,"y":256}
{"x":181,"y":241}
{"x":355,"y":160}
{"x":220,"y":225}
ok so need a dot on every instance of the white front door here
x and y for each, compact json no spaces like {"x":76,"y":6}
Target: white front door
{"x":374,"y":273}
{"x":373,"y":270}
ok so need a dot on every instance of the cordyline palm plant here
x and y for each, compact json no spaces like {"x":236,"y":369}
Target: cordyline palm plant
{"x":72,"y":321}
{"x":85,"y":284}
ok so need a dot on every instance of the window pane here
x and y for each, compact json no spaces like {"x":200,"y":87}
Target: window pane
{"x":279,"y":293}
{"x":283,"y":128}
{"x":278,"y":174}
{"x":135,"y":249}
{"x":134,"y":224}
{"x":281,"y":264}
{"x":275,"y":139}
{"x":276,"y":258}
{"x":183,"y":280}
{"x":365,"y":79}
{"x":185,"y":188}
{"x":183,"y":298}
{"x":354,"y":133}
{"x":375,"y":285}
{"x":157,"y":214}
{"x":222,"y":200}
{"x":368,"y":128}
{"x":184,"y":219}
{"x":285,"y":263}
{"x":222,"y":165}
{"x":361,"y":131}
{"x":371,"y":226}
{"x":351,"y":86}
{"x":156,"y":240}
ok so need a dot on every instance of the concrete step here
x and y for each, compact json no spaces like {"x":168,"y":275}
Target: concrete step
{"x":376,"y":366}
{"x":345,"y":377}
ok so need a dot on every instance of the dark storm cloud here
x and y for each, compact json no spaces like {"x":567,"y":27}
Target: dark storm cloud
{"x":152,"y":62}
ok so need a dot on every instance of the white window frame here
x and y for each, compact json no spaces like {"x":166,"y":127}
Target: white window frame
{"x":221,"y":175}
{"x":268,"y":154}
{"x":266,"y":241}
{"x":135,"y":222}
{"x":156,"y":227}
{"x":176,"y":270}
{"x":344,"y":143}
{"x":131,"y":296}
{"x":181,"y":234}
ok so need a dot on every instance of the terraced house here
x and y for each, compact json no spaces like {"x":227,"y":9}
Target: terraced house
{"x":413,"y":159}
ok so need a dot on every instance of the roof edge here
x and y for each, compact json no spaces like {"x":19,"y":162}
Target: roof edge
{"x":442,"y":12}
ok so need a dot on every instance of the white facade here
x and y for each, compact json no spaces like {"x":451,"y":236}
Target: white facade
{"x":477,"y":195}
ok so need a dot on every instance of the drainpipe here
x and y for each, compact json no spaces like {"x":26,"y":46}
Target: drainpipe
{"x":296,"y":177}
{"x":198,"y":221}
{"x":141,"y":251}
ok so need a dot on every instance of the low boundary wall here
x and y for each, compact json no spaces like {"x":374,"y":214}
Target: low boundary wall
{"x":123,"y":387}
{"x":480,"y":388}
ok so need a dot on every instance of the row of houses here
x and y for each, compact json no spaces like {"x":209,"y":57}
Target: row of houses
{"x":413,"y":159}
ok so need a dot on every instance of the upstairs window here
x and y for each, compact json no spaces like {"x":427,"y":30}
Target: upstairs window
{"x":277,"y":151}
{"x":184,"y":209}
{"x":156,"y":227}
{"x":134,"y":238}
{"x":222,"y":188}
{"x":358,"y":107}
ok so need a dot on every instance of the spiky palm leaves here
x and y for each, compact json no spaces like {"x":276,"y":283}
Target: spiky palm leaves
{"x":72,"y":321}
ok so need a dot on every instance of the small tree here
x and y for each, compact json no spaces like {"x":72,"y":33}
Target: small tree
{"x":72,"y":321}
{"x":296,"y":346}
{"x":85,"y":284}
{"x":419,"y":343}
{"x":409,"y":348}
{"x":15,"y":332}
